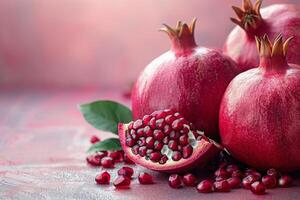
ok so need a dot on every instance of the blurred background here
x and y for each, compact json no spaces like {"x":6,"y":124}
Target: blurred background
{"x":102,"y":43}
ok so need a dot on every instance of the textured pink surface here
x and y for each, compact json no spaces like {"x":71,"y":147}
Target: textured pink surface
{"x":43,"y":139}
{"x":98,"y":42}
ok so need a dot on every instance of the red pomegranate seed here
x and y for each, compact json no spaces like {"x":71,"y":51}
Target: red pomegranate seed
{"x":237,"y":173}
{"x":273,"y":172}
{"x":158,"y":145}
{"x":258,"y":188}
{"x":140,"y":132}
{"x":103,"y":178}
{"x":222,"y":186}
{"x":285,"y":181}
{"x":135,"y":149}
{"x":122,"y":182}
{"x":141,"y":141}
{"x":130,"y":142}
{"x":94,"y":139}
{"x":184,"y":140}
{"x":184,"y":130}
{"x":117,"y":156}
{"x":148,"y":131}
{"x":175,"y":181}
{"x":127,"y":160}
{"x":160,"y":123}
{"x":170,"y":119}
{"x":269,"y":181}
{"x":205,"y":186}
{"x":95,"y":159}
{"x":161,"y":115}
{"x":142,"y":151}
{"x":155,"y":156}
{"x":158,"y":134}
{"x":163,"y":159}
{"x":150,"y":142}
{"x":176,"y":156}
{"x":126,"y":171}
{"x":223,"y":165}
{"x":145,"y":178}
{"x":167,"y":129}
{"x":137,"y":124}
{"x":166,"y":140}
{"x":152,"y":123}
{"x":174,"y":135}
{"x":146,"y":119}
{"x":220,"y":178}
{"x":248,"y":180}
{"x":234,"y":182}
{"x":187,"y":151}
{"x":189,"y":180}
{"x":130,"y":125}
{"x":231,"y":168}
{"x":178,"y":115}
{"x":222,"y":173}
{"x":177,"y":124}
{"x":173,"y":145}
{"x":107,"y":162}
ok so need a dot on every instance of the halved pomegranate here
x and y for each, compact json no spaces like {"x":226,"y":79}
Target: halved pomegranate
{"x":165,"y":141}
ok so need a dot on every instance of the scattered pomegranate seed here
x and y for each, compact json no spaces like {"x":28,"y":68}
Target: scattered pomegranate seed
{"x":117,"y":156}
{"x":189,"y":180}
{"x":94,"y":139}
{"x":237,"y":173}
{"x":205,"y":186}
{"x":234,"y":182}
{"x":258,"y":188}
{"x":273,"y":172}
{"x":231,"y":168}
{"x":126,"y":171}
{"x":107,"y":162}
{"x":248,"y":180}
{"x":122,"y":182}
{"x":285,"y":181}
{"x":145,"y":178}
{"x":127,"y":160}
{"x":222,"y":186}
{"x":103,"y":178}
{"x":175,"y":181}
{"x":269,"y":181}
{"x":95,"y":158}
{"x":221,"y":173}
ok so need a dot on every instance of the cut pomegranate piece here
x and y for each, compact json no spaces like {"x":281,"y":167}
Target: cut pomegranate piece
{"x":103,"y":178}
{"x":126,"y":171}
{"x":175,"y":150}
{"x":122,"y":182}
{"x":175,"y":181}
{"x":145,"y":178}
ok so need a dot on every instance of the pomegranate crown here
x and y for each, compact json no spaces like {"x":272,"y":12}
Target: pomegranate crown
{"x":248,"y":17}
{"x":182,"y":36}
{"x":268,"y":49}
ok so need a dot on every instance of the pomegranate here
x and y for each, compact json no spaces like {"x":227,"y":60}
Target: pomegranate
{"x":187,"y":78}
{"x":155,"y":142}
{"x":205,"y":186}
{"x":260,"y":111}
{"x":253,"y":21}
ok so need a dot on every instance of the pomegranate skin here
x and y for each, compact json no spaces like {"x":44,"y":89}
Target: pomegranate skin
{"x":278,"y":18}
{"x":260,"y":115}
{"x":189,"y":79}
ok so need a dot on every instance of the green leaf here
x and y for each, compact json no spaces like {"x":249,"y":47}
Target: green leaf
{"x":105,"y":115}
{"x":110,"y":144}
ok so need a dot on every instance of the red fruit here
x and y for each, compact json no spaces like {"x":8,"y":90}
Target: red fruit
{"x":269,"y":181}
{"x":234,"y":182}
{"x":103,"y":178}
{"x":205,"y":186}
{"x":222,"y":186}
{"x":107,"y":162}
{"x":117,"y":156}
{"x":189,"y":180}
{"x":221,"y":173}
{"x":231,"y":168}
{"x":251,"y":22}
{"x":145,"y":178}
{"x":273,"y":172}
{"x":122,"y":182}
{"x":95,"y":159}
{"x":127,"y":160}
{"x":187,"y":78}
{"x":260,"y":114}
{"x":285,"y":181}
{"x":258,"y":188}
{"x":94,"y":139}
{"x":248,"y":180}
{"x":158,"y":152}
{"x":126,"y":171}
{"x":175,"y":181}
{"x":237,"y":173}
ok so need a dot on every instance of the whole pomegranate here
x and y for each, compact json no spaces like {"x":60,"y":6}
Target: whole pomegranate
{"x":187,"y":78}
{"x":260,"y":111}
{"x":279,"y":18}
{"x":165,"y":141}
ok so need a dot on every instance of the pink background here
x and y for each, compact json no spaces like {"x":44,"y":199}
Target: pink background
{"x":71,"y":43}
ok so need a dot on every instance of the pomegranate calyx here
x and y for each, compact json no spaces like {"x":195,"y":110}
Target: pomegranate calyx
{"x":273,"y":55}
{"x":182,"y":37}
{"x":248,"y":17}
